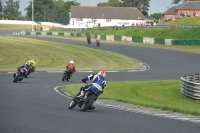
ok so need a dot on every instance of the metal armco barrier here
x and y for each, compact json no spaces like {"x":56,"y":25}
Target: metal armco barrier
{"x":190,"y":86}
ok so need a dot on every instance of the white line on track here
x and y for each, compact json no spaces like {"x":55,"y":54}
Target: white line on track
{"x":139,"y":109}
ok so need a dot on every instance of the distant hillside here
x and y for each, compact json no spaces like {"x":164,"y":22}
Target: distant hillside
{"x":183,"y":21}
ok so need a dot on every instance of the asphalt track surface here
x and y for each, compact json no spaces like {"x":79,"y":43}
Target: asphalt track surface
{"x":33,"y":106}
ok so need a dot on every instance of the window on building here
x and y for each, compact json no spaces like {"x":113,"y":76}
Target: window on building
{"x":79,"y":19}
{"x":108,"y":20}
{"x":94,"y":20}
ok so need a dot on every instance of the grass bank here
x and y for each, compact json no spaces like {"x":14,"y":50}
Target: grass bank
{"x":154,"y":33}
{"x":164,"y":95}
{"x":183,"y":21}
{"x":15,"y":51}
{"x":18,"y":27}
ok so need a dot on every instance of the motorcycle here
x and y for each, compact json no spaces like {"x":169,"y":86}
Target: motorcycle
{"x":21,"y":73}
{"x":31,"y":69}
{"x":89,"y":40}
{"x":86,"y":101}
{"x":66,"y":75}
{"x":98,"y":44}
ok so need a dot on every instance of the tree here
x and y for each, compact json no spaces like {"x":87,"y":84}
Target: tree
{"x":1,"y":9}
{"x":142,"y":5}
{"x":112,"y":3}
{"x":155,"y":16}
{"x":183,"y":1}
{"x":50,"y":10}
{"x":64,"y":11}
{"x":40,"y":8}
{"x":11,"y":10}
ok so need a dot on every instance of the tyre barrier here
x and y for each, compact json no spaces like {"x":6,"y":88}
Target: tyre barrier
{"x":190,"y":86}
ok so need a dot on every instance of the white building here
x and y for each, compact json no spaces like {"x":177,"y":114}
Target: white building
{"x":89,"y":17}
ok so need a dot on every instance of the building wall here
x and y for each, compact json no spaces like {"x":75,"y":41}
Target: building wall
{"x":181,"y":14}
{"x":169,"y":16}
{"x":191,"y":13}
{"x":90,"y":23}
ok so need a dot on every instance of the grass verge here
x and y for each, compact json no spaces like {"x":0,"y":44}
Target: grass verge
{"x":164,"y":95}
{"x":15,"y":51}
{"x":18,"y":27}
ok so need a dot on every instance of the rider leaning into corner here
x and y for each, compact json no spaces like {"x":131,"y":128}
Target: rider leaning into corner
{"x":99,"y":82}
{"x":33,"y":62}
{"x":71,"y":66}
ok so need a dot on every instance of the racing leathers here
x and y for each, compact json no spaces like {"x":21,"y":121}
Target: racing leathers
{"x":33,"y":63}
{"x":99,"y":82}
{"x":71,"y":67}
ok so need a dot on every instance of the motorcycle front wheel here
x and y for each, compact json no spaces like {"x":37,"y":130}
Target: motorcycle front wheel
{"x":89,"y":101}
{"x":17,"y":77}
{"x":72,"y":104}
{"x":63,"y":78}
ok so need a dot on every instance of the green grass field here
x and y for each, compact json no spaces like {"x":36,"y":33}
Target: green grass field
{"x":164,"y":95}
{"x":18,"y":27}
{"x":15,"y":51}
{"x":155,"y":33}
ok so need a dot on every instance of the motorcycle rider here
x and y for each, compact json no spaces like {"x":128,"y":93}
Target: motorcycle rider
{"x":71,"y":66}
{"x":97,"y":41}
{"x":27,"y":63}
{"x":89,"y":39}
{"x":33,"y":62}
{"x":99,"y":82}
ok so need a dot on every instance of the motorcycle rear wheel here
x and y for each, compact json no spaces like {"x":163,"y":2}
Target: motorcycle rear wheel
{"x":88,"y":103}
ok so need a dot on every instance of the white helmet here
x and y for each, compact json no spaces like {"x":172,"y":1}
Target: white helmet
{"x":72,"y":62}
{"x":102,"y":73}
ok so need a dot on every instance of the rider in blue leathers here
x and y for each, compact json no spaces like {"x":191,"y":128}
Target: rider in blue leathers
{"x":99,"y":82}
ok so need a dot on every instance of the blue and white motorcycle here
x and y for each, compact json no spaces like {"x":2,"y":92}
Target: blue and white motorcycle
{"x":85,"y":102}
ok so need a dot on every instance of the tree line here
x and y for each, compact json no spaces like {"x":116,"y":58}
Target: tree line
{"x":44,"y":10}
{"x":58,"y":10}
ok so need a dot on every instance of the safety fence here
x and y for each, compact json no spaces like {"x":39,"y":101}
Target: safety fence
{"x":190,"y":86}
{"x":147,"y":40}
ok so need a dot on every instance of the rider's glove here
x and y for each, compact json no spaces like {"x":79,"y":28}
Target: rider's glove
{"x":83,"y":81}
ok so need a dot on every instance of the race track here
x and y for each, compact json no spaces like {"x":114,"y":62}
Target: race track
{"x":33,"y":106}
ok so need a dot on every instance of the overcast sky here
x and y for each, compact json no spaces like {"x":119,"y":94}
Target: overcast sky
{"x":156,"y":6}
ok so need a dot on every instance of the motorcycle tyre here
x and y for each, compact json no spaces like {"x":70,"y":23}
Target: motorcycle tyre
{"x":63,"y":78}
{"x":17,"y":77}
{"x":85,"y":106}
{"x":72,"y":104}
